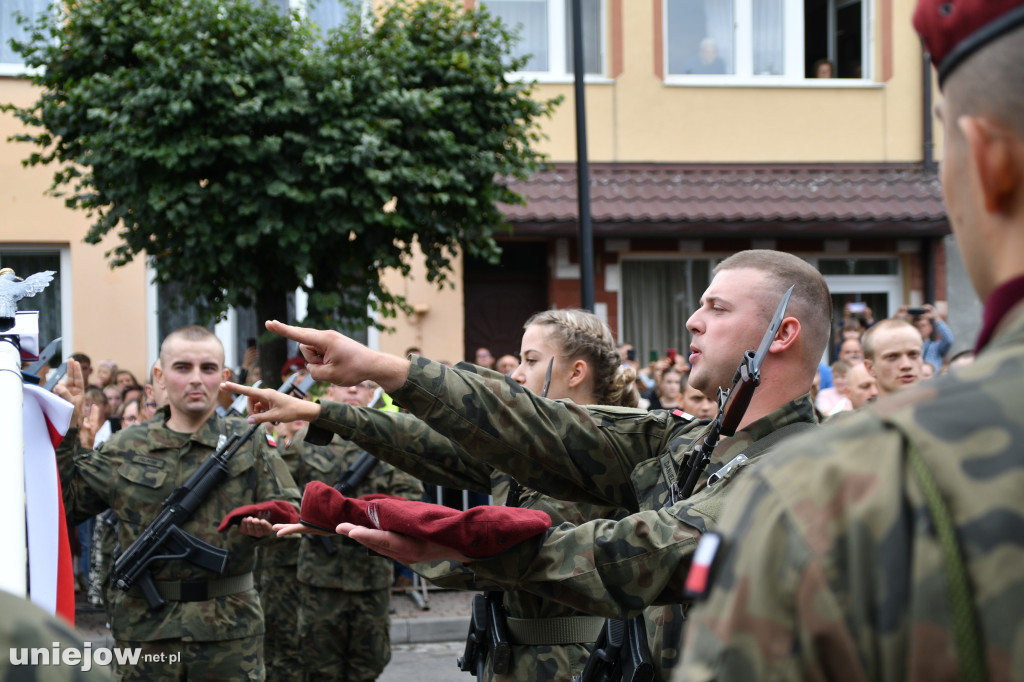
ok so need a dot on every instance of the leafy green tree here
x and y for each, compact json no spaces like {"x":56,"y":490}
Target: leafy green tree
{"x":248,"y":156}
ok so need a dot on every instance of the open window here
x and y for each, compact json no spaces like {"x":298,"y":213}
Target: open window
{"x":751,"y":42}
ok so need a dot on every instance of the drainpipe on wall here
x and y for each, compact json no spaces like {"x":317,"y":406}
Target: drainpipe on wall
{"x":927,"y":141}
{"x":928,"y":269}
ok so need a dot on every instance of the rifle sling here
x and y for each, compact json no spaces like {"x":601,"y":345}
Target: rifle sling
{"x":551,"y":631}
{"x":762,"y":444}
{"x":199,"y":590}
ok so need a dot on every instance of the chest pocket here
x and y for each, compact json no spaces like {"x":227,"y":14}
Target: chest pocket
{"x":241,"y":461}
{"x":144,"y":474}
{"x":322,"y":467}
{"x":650,"y":483}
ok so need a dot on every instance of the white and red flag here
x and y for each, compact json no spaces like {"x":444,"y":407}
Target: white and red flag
{"x":46,"y":419}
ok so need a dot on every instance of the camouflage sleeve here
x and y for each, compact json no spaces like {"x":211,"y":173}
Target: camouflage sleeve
{"x":84,"y":475}
{"x":604,"y":567}
{"x":557,"y":447}
{"x":402,"y":440}
{"x":32,"y":640}
{"x":396,"y":482}
{"x":774,"y":609}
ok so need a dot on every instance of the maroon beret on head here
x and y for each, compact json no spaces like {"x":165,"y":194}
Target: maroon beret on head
{"x":478,"y":532}
{"x":952,"y":30}
{"x":275,"y":511}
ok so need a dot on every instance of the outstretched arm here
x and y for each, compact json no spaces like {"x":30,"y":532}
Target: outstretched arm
{"x":270,"y":405}
{"x":333,"y":357}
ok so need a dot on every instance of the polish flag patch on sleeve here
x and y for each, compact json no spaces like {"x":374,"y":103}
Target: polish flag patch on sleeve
{"x":271,"y":440}
{"x":698,"y":580}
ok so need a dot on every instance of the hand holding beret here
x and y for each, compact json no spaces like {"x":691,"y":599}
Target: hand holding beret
{"x":478,"y":532}
{"x":275,"y":511}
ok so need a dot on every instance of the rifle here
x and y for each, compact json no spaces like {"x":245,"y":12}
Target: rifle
{"x":346,"y":485}
{"x":31,"y":372}
{"x":620,"y":653}
{"x":164,"y":538}
{"x":732,"y":404}
{"x":487,"y":632}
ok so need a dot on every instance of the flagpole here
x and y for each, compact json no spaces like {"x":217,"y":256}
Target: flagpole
{"x":14,"y":568}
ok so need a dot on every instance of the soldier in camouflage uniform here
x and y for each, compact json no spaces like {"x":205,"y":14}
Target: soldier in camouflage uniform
{"x":344,"y":623}
{"x":215,"y":623}
{"x":549,"y":640}
{"x":277,"y":580}
{"x":25,"y":626}
{"x":890,"y":546}
{"x":612,"y":456}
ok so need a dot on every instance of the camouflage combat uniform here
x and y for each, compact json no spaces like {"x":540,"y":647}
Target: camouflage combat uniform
{"x":602,"y":455}
{"x":410,"y":445}
{"x":24,"y":627}
{"x":830,"y":566}
{"x":344,"y":623}
{"x":133,"y":473}
{"x":278,"y":584}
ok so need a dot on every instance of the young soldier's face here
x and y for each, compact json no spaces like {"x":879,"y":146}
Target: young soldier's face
{"x":731,"y":319}
{"x":191,"y":372}
{"x":897,"y":361}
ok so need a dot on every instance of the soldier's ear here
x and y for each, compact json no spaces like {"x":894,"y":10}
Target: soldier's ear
{"x":225,"y":374}
{"x":578,"y":373}
{"x":995,"y":157}
{"x":869,"y":365}
{"x":789,"y":332}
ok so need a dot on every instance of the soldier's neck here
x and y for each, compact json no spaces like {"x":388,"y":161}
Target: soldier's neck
{"x":186,"y":423}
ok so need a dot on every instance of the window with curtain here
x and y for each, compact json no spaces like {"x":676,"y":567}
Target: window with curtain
{"x":9,"y":27}
{"x":545,"y":33}
{"x":658,"y":296}
{"x":752,"y":40}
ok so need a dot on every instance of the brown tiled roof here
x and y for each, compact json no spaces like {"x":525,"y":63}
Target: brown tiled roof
{"x":756,"y":199}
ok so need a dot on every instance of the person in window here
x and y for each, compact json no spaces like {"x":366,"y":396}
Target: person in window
{"x":707,"y":59}
{"x":823,"y":69}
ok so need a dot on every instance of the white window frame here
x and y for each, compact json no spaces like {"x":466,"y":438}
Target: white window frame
{"x":561,"y":71}
{"x":793,"y":25}
{"x":16,"y":68}
{"x":63,"y":251}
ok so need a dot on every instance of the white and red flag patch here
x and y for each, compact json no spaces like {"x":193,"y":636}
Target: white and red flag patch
{"x":698,"y":580}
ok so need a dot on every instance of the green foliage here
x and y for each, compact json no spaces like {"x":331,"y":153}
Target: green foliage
{"x":246,"y":154}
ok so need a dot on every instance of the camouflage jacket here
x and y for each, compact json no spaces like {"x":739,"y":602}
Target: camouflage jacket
{"x":352,"y":567}
{"x":26,"y":627}
{"x":615,"y":568}
{"x":615,"y":456}
{"x":408,"y":443}
{"x":830,"y":567}
{"x":133,"y":473}
{"x":285,"y":551}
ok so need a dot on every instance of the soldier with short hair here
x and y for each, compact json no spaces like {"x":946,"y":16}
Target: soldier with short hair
{"x":211,"y":627}
{"x":890,"y":547}
{"x":604,"y":455}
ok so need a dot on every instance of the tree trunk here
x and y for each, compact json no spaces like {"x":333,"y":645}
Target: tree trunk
{"x":271,"y":305}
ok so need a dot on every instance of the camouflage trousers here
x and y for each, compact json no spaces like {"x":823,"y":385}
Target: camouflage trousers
{"x":280,"y":596}
{"x":346,"y":636}
{"x":101,"y":561}
{"x":174,"y":659}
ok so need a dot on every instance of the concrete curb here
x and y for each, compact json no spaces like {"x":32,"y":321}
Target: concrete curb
{"x":429,"y":629}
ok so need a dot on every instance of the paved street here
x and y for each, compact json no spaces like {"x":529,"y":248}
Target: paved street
{"x":426,"y":662}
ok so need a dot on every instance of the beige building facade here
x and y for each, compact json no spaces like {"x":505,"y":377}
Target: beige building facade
{"x":707,"y":135}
